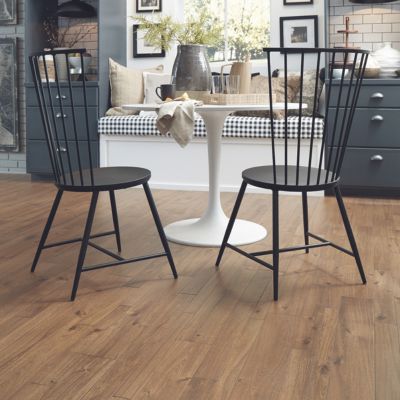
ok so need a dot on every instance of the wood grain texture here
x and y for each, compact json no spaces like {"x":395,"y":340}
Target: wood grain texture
{"x":135,"y":333}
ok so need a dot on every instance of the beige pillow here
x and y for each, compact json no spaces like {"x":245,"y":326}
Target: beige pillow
{"x":309,"y":79}
{"x":119,"y":112}
{"x":260,"y":84}
{"x":127,"y":84}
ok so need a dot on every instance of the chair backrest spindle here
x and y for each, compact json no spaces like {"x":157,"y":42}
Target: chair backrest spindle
{"x":87,"y":122}
{"x":271,"y":114}
{"x":312,"y":162}
{"x":68,"y":139}
{"x":71,"y":96}
{"x":300,"y":118}
{"x":286,"y":115}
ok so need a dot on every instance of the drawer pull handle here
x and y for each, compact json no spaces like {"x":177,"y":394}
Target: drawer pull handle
{"x":377,"y":118}
{"x":377,"y":96}
{"x":63,"y":97}
{"x":62,"y":149}
{"x":59,"y":115}
{"x":377,"y":157}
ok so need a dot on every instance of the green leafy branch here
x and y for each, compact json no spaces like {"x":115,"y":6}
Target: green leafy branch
{"x":163,"y":31}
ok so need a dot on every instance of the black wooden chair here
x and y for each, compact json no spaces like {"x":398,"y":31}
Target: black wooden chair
{"x":72,"y":160}
{"x":344,"y":75}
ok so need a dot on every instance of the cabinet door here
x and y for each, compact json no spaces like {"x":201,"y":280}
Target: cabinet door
{"x":92,"y":95}
{"x":374,"y":96}
{"x":371,"y":128}
{"x":35,"y":129}
{"x":371,"y":168}
{"x":38,"y":159}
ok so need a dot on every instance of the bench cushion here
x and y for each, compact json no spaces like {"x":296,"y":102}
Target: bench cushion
{"x":235,"y":127}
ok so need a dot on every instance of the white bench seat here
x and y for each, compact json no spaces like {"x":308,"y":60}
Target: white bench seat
{"x":135,"y":141}
{"x":235,"y":127}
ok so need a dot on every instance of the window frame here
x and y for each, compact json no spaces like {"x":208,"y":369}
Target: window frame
{"x":226,"y":49}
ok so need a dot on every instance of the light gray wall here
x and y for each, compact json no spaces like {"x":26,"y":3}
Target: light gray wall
{"x":16,"y":161}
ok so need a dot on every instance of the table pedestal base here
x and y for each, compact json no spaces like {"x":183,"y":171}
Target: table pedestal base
{"x":207,"y":233}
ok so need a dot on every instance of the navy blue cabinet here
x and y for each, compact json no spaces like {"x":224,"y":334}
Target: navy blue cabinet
{"x":372,"y":161}
{"x":112,"y":38}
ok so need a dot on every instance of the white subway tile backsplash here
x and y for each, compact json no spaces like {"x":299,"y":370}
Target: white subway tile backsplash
{"x":363,"y":28}
{"x":357,"y":19}
{"x":357,"y":37}
{"x":390,"y":18}
{"x":382,"y":9}
{"x":391,"y":37}
{"x":396,"y":27}
{"x":336,"y":19}
{"x":382,"y":27}
{"x":376,"y":24}
{"x":343,"y":10}
{"x":336,"y":3}
{"x":361,"y":10}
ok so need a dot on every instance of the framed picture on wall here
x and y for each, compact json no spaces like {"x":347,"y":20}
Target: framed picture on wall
{"x":299,"y":31}
{"x":297,"y":2}
{"x":141,"y":48}
{"x":148,"y":6}
{"x":8,"y":95}
{"x":8,"y":12}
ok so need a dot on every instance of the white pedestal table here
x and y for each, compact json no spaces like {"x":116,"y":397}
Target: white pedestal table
{"x":209,"y":229}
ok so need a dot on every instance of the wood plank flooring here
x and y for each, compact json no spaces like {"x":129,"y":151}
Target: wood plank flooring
{"x":135,"y":333}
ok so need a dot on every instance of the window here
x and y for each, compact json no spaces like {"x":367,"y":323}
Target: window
{"x":245,"y":27}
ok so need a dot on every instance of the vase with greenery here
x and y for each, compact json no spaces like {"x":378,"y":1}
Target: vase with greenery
{"x":191,"y":72}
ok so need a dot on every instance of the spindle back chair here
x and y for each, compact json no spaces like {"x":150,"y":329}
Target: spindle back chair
{"x":72,"y":158}
{"x":308,"y":171}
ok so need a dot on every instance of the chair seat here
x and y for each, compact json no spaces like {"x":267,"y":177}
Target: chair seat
{"x":263,"y":177}
{"x":104,"y":179}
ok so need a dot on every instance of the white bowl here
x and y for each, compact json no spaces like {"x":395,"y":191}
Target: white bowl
{"x":337,"y":73}
{"x":75,"y":62}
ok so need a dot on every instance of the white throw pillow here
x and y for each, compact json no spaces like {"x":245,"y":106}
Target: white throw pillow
{"x":127,"y":84}
{"x":151,"y":82}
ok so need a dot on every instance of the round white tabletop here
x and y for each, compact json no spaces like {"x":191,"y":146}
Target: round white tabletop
{"x":209,"y":230}
{"x":220,"y":107}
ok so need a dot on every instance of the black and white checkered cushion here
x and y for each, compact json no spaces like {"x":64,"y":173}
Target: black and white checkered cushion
{"x":238,"y":127}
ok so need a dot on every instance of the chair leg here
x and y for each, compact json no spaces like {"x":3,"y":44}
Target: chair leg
{"x":305,"y":220}
{"x":84,"y":245}
{"x":275,"y":241}
{"x":115,"y":220}
{"x":47,"y":228}
{"x":350,"y":234}
{"x":231,"y":222}
{"x":160,"y":228}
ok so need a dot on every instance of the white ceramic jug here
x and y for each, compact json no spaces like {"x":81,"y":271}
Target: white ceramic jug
{"x":388,"y":59}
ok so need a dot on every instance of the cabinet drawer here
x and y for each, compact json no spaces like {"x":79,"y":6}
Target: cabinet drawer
{"x":38,"y":159}
{"x":380,"y":96}
{"x":35,"y":128}
{"x":371,"y":168}
{"x":77,"y":93}
{"x":371,"y":128}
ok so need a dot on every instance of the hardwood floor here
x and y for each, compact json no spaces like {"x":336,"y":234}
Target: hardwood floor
{"x":135,"y":333}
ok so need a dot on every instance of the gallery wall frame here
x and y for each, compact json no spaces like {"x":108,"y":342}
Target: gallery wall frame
{"x":140,"y":48}
{"x":8,"y":12}
{"x":297,"y":2}
{"x":145,"y":6}
{"x":9,"y":132}
{"x":299,"y":31}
